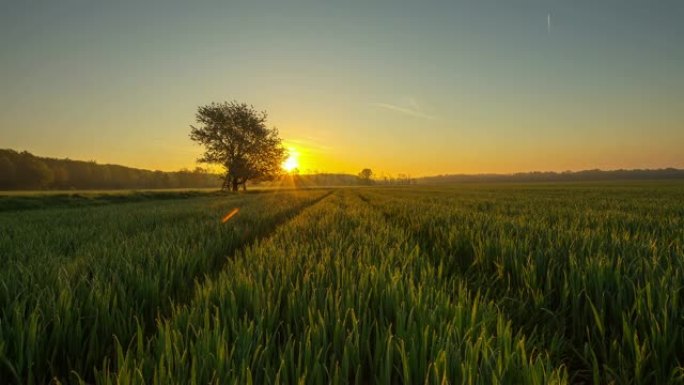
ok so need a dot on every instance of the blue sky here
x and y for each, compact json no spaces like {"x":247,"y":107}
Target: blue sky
{"x":401,"y":87}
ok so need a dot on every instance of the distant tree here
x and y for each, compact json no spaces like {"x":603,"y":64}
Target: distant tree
{"x":31,"y":172}
{"x":235,"y":136}
{"x":365,"y":176}
{"x":7,"y":172}
{"x":404,"y":179}
{"x":60,"y":175}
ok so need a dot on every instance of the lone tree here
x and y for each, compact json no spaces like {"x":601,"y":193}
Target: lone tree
{"x":365,"y":175}
{"x":235,"y":136}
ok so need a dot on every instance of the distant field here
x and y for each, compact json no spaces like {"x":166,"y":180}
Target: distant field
{"x":25,"y":200}
{"x":482,"y":284}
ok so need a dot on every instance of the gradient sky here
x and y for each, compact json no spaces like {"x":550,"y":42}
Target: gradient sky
{"x":419,"y":88}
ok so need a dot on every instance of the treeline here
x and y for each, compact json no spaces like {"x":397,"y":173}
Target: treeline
{"x":24,"y":171}
{"x":566,"y":176}
{"x":332,"y":180}
{"x":315,"y":180}
{"x":351,"y":180}
{"x":325,"y":179}
{"x":310,"y":180}
{"x":400,"y":179}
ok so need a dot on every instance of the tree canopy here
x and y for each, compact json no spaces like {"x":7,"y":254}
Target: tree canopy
{"x":365,"y":176}
{"x":235,"y":136}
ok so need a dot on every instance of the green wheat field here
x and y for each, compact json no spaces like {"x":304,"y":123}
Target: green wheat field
{"x":470,"y":284}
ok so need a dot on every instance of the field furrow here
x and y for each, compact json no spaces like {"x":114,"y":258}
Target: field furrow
{"x":334,"y":296}
{"x":92,"y":274}
{"x":578,"y":273}
{"x":474,"y":284}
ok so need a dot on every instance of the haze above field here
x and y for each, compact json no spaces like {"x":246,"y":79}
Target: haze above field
{"x":416,"y":88}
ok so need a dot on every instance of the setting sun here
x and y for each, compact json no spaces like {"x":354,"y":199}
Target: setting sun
{"x":291,"y":162}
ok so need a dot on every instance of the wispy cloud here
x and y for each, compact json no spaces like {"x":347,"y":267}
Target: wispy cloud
{"x":548,"y":23}
{"x":307,"y":144}
{"x":164,"y":144}
{"x":413,"y":110}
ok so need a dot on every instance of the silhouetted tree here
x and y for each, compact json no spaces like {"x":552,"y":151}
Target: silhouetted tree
{"x":365,"y":175}
{"x":235,"y":136}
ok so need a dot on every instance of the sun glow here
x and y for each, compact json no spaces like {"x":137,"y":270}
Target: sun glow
{"x":291,"y":163}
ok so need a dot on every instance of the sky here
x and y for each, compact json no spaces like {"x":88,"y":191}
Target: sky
{"x":418,"y":88}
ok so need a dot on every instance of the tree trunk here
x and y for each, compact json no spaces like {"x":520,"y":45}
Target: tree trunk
{"x":226,"y":183}
{"x":235,"y":185}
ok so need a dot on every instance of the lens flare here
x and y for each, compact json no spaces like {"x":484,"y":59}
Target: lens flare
{"x":230,"y":215}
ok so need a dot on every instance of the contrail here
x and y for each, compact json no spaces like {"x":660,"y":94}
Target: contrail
{"x":404,"y":110}
{"x":548,"y":23}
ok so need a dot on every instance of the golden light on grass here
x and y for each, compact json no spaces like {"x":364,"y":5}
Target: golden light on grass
{"x":231,"y":214}
{"x":292,"y":161}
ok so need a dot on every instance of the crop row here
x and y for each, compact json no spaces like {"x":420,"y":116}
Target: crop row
{"x":593,"y":276}
{"x":530,"y":284}
{"x":337,"y":295}
{"x":76,"y":280}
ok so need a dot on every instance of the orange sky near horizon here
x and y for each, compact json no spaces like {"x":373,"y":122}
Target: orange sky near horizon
{"x":331,"y":152}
